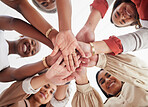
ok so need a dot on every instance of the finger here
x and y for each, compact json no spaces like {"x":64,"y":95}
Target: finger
{"x":84,"y":64}
{"x":85,"y":60}
{"x":68,"y":79}
{"x":81,"y":51}
{"x":71,"y":63}
{"x":55,"y":51}
{"x":79,"y":69}
{"x":75,"y":59}
{"x":67,"y":63}
{"x":59,"y":60}
{"x":63,"y":64}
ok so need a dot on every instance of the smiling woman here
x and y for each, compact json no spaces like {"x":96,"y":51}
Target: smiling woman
{"x":24,"y":47}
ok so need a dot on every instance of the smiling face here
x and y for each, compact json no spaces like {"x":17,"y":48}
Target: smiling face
{"x":124,"y":15}
{"x":27,"y":47}
{"x":46,"y":5}
{"x":45,"y":94}
{"x":108,"y":83}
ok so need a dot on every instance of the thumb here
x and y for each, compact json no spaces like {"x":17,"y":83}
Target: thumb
{"x":55,"y":51}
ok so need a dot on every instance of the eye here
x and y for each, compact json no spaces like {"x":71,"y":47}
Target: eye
{"x":108,"y":76}
{"x":45,"y":4}
{"x":123,"y":21}
{"x":47,"y":86}
{"x":33,"y":42}
{"x":118,"y":13}
{"x":103,"y":81}
{"x":33,"y":52}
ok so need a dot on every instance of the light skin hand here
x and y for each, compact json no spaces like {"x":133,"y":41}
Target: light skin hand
{"x":57,"y":74}
{"x":86,"y":48}
{"x":85,"y":35}
{"x":67,"y":44}
{"x":81,"y":76}
{"x":89,"y":62}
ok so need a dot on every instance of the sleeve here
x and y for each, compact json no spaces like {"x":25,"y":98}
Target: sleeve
{"x":101,"y":6}
{"x":13,"y":94}
{"x":114,"y":44}
{"x":86,"y":96}
{"x":135,"y":41}
{"x":62,"y":103}
{"x":16,"y":92}
{"x":125,"y":67}
{"x":27,"y":86}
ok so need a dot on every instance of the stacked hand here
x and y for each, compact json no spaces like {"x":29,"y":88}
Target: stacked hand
{"x":68,"y":45}
{"x":58,"y":74}
{"x":85,"y":35}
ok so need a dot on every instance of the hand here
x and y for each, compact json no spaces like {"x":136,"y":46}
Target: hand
{"x":58,"y":74}
{"x":85,"y":35}
{"x":52,"y":59}
{"x":86,"y":48}
{"x":89,"y":62}
{"x":81,"y":76}
{"x":67,"y":44}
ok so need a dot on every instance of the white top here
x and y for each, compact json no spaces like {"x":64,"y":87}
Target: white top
{"x":4,"y":49}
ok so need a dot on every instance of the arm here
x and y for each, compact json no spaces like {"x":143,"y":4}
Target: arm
{"x":65,"y":40}
{"x":57,"y":74}
{"x":85,"y":94}
{"x":98,"y":10}
{"x":64,"y":14}
{"x":10,"y":23}
{"x":26,"y":70}
{"x":16,"y":91}
{"x":31,"y":15}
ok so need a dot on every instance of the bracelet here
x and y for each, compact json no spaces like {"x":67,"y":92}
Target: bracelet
{"x":48,"y":32}
{"x":92,"y":48}
{"x":45,"y":63}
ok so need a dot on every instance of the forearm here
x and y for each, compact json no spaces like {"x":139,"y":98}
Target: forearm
{"x":27,"y":70}
{"x":10,"y":23}
{"x":101,"y":47}
{"x":93,"y":19}
{"x":60,"y":93}
{"x":28,"y":30}
{"x":33,"y":17}
{"x":36,"y":81}
{"x":64,"y":14}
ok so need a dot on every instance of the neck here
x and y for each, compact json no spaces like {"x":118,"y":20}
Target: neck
{"x":12,"y":47}
{"x":33,"y":102}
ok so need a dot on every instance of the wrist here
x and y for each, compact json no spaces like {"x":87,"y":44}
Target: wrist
{"x":82,"y":81}
{"x":52,"y":35}
{"x":44,"y":61}
{"x":92,"y":49}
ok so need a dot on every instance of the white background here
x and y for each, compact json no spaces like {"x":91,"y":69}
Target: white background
{"x":81,"y":10}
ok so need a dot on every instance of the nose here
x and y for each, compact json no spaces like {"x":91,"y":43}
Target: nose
{"x":32,"y":48}
{"x":107,"y":80}
{"x":122,"y":16}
